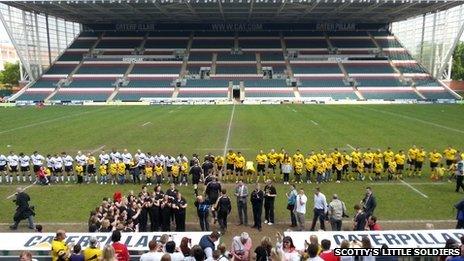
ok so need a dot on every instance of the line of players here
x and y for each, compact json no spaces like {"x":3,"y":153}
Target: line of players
{"x":317,"y":167}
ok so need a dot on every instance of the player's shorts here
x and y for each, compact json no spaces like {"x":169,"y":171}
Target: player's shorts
{"x":412,"y":162}
{"x":195,"y":180}
{"x":450,"y":162}
{"x":58,"y":170}
{"x":368,"y":166}
{"x":345,"y":167}
{"x":127,"y":166}
{"x":91,"y":169}
{"x":400,"y":167}
{"x":142,"y":167}
{"x":36,"y":168}
{"x":271,"y":166}
{"x":68,"y":168}
{"x":2,"y":167}
{"x":239,"y":169}
{"x":354,"y":165}
{"x":418,"y":164}
{"x":168,"y":168}
{"x":230,"y":167}
{"x":261,"y":167}
{"x":385,"y":165}
{"x":24,"y":169}
{"x":334,"y":168}
{"x":219,"y":167}
{"x":433,"y":165}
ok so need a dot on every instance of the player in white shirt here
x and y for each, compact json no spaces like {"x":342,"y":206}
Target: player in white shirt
{"x":3,"y":167}
{"x":37,"y":161}
{"x":24,"y":164}
{"x":68,"y":166}
{"x":104,"y":158}
{"x":81,"y":160}
{"x":115,"y":156}
{"x":141,"y":158}
{"x":170,"y":161}
{"x":57,"y":168}
{"x":126,"y":159}
{"x":159,"y":158}
{"x":13,"y":162}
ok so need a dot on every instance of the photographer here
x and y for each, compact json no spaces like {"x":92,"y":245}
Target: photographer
{"x":23,"y":211}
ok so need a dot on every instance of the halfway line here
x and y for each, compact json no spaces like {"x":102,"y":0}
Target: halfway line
{"x":413,"y":188}
{"x":146,"y":123}
{"x":228,"y":130}
{"x":315,"y":123}
{"x":12,"y":195}
{"x":351,"y":147}
{"x":97,"y":149}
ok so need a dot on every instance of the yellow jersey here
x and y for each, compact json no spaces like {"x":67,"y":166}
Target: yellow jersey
{"x":121,"y":168}
{"x":175,"y":170}
{"x":287,"y":161}
{"x":360,"y":167}
{"x":261,"y":159}
{"x":149,"y":171}
{"x":281,"y":157}
{"x":388,"y":155}
{"x":412,"y":153}
{"x":346,"y":159}
{"x":368,"y":157}
{"x":79,"y":169}
{"x":91,"y":160}
{"x":273,"y":158}
{"x":230,"y":158}
{"x":57,"y":247}
{"x":329,"y":161}
{"x":113,"y":168}
{"x":441,"y":171}
{"x":378,"y":157}
{"x":219,"y":160}
{"x":321,"y":156}
{"x":378,"y":167}
{"x":450,"y":154}
{"x":298,"y":157}
{"x":158,"y":170}
{"x":392,"y":165}
{"x":435,"y":157}
{"x":420,"y":156}
{"x":102,"y":170}
{"x":250,"y":166}
{"x":335,"y":155}
{"x":298,"y":167}
{"x":321,"y":167}
{"x":356,"y":157}
{"x":184,"y":167}
{"x":240,"y":162}
{"x":339,"y":163}
{"x":309,"y":164}
{"x":47,"y":172}
{"x":400,"y":159}
{"x":91,"y":254}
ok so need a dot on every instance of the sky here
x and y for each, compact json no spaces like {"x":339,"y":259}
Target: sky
{"x":3,"y":35}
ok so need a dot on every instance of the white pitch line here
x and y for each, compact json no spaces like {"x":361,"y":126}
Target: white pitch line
{"x":146,"y":123}
{"x":48,"y":121}
{"x":97,"y":149}
{"x":418,"y":183}
{"x":351,"y":147}
{"x":315,"y":123}
{"x":228,"y":130}
{"x":12,"y":195}
{"x":413,"y":188}
{"x":418,"y":120}
{"x":294,"y":110}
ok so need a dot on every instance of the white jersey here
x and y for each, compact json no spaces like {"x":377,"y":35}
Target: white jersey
{"x":160,"y":159}
{"x":24,"y":161}
{"x":13,"y":160}
{"x":50,"y":163}
{"x":182,"y":159}
{"x":57,"y":162}
{"x":151,"y":159}
{"x":141,"y":158}
{"x":3,"y":160}
{"x":126,"y":158}
{"x":37,"y":160}
{"x":104,"y":159}
{"x":115,"y":157}
{"x":68,"y":161}
{"x":170,"y":161}
{"x":81,"y":160}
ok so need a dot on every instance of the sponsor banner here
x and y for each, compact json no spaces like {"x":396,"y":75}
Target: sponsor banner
{"x":134,"y":241}
{"x":392,"y":238}
{"x":234,"y":27}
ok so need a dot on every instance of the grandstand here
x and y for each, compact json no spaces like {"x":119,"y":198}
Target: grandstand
{"x":208,"y":55}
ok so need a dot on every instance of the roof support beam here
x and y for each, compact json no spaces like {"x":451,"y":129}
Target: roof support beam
{"x":450,"y":52}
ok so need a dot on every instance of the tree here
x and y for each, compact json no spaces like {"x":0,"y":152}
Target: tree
{"x":457,"y":72}
{"x":10,"y":74}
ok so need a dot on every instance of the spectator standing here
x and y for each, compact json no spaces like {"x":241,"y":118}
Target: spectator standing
{"x":460,"y":214}
{"x":372,"y":224}
{"x":320,"y":208}
{"x":241,"y":246}
{"x":59,"y":247}
{"x":360,"y":219}
{"x":291,"y":201}
{"x":202,"y":207}
{"x":312,"y":252}
{"x":92,"y":252}
{"x":109,"y":254}
{"x":122,"y":254}
{"x":223,"y":207}
{"x":327,"y":254}
{"x":257,"y":199}
{"x":300,"y":209}
{"x":369,"y":203}
{"x":171,"y":250}
{"x":207,"y":244}
{"x":179,"y":207}
{"x":241,"y":192}
{"x":336,"y":210}
{"x":76,"y":254}
{"x":289,"y":251}
{"x":459,"y":175}
{"x":185,"y":246}
{"x":153,"y":254}
{"x":263,"y":251}
{"x":270,"y":193}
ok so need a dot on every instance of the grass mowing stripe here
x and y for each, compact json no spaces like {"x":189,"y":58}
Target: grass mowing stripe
{"x":416,"y":119}
{"x":413,"y":188}
{"x":51,"y":120}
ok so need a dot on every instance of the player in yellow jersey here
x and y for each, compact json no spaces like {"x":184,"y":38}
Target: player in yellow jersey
{"x":321,"y":155}
{"x":420,"y":158}
{"x":91,"y":169}
{"x":148,"y":173}
{"x":360,"y":171}
{"x":79,"y":169}
{"x":297,"y":156}
{"x":450,"y":155}
{"x":219,"y":164}
{"x":368,"y":160}
{"x":435,"y":159}
{"x":329,"y":161}
{"x":321,"y":169}
{"x":388,"y":156}
{"x":273,"y":159}
{"x":158,"y":170}
{"x":440,"y":172}
{"x":113,"y":171}
{"x":121,"y":173}
{"x":230,"y":165}
{"x":102,"y":170}
{"x":59,"y":249}
{"x":261,"y":160}
{"x":391,"y":170}
{"x":298,"y":170}
{"x":184,"y":170}
{"x":378,"y":169}
{"x":412,"y":152}
{"x":310,"y":163}
{"x":250,"y":169}
{"x":356,"y":158}
{"x":281,"y":159}
{"x":175,"y":171}
{"x":338,"y":165}
{"x":239,"y":165}
{"x":400,"y":159}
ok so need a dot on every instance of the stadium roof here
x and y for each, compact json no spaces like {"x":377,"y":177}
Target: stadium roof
{"x":263,"y":11}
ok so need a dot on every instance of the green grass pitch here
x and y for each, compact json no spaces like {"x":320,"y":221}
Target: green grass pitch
{"x":202,"y":129}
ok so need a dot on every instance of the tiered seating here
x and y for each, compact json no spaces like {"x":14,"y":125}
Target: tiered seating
{"x":306,"y":43}
{"x":276,"y":67}
{"x":61,"y":69}
{"x":200,"y":56}
{"x":410,"y":68}
{"x":71,"y":56}
{"x":103,"y":69}
{"x":35,"y":94}
{"x":259,"y":43}
{"x":137,"y":94}
{"x":368,"y":68}
{"x":436,"y":94}
{"x":327,"y":93}
{"x":379,"y":82}
{"x":166,"y":44}
{"x":396,"y":94}
{"x":227,"y":56}
{"x":169,"y":69}
{"x":269,"y":93}
{"x":194,"y":68}
{"x":169,"y":34}
{"x":303,"y":33}
{"x":272,"y":56}
{"x":347,"y":34}
{"x":398,"y":55}
{"x":236,"y":69}
{"x":212,"y":43}
{"x":83,"y":44}
{"x":266,"y":83}
{"x":388,"y":43}
{"x":322,"y":82}
{"x":201,"y":89}
{"x":91,"y":83}
{"x":194,"y":83}
{"x":45,"y":83}
{"x":79,"y":95}
{"x":147,"y":83}
{"x":426,"y":81}
{"x":315,"y":68}
{"x":352,"y":43}
{"x":119,"y":44}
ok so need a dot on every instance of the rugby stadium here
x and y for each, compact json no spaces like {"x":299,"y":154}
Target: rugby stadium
{"x":205,"y":77}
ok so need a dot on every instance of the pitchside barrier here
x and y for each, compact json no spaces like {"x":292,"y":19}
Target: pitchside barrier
{"x":392,"y":238}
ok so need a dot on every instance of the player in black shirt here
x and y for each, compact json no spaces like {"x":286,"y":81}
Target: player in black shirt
{"x":223,"y":208}
{"x":269,"y":198}
{"x":257,"y":199}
